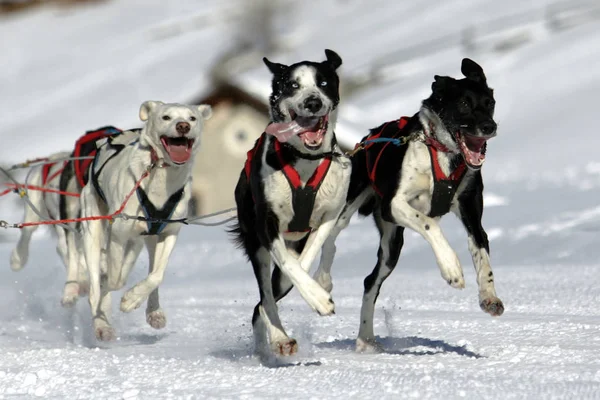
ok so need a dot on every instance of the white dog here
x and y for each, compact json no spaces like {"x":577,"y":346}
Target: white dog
{"x":55,"y":175}
{"x":168,"y":142}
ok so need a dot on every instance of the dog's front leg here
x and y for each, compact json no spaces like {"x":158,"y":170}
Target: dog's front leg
{"x":316,"y":297}
{"x":470,"y":211}
{"x":405,"y":215}
{"x":155,"y":316}
{"x":93,"y":237}
{"x":134,"y":297}
{"x":315,"y":241}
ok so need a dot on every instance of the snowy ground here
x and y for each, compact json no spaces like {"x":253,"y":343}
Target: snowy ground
{"x":542,"y":216}
{"x":438,"y":343}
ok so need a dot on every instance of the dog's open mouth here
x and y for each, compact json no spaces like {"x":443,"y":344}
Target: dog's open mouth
{"x":178,"y":148}
{"x":310,"y":129}
{"x":472,"y":148}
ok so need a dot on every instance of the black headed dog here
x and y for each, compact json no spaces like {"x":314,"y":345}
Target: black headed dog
{"x":430,"y":166}
{"x":291,"y":192}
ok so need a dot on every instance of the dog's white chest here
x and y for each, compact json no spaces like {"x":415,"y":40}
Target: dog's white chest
{"x":417,"y":177}
{"x":329,"y":196}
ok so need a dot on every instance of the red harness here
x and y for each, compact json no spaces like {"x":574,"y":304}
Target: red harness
{"x":46,"y":177}
{"x":303,"y":197}
{"x":444,"y":186}
{"x":86,"y":146}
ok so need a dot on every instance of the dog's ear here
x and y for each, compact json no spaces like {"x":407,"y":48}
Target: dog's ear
{"x":333,"y":58}
{"x":275,"y":68}
{"x":205,"y":111}
{"x":472,"y":70}
{"x":147,"y":107}
{"x":438,"y":85}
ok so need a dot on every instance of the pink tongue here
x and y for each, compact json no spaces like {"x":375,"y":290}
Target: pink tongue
{"x":283,"y":131}
{"x":179,"y":153}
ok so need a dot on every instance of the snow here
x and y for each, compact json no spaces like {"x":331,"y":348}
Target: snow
{"x":542,"y":217}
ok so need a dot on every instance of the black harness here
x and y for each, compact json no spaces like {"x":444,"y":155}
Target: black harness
{"x":156,"y":218}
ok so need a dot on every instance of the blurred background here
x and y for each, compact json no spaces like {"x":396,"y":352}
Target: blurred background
{"x":70,"y":66}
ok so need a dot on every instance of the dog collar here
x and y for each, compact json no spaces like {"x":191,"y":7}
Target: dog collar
{"x":154,"y":160}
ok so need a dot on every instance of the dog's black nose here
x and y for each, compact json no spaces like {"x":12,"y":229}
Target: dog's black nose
{"x":488,"y":128}
{"x":313,"y":104}
{"x":182,"y":128}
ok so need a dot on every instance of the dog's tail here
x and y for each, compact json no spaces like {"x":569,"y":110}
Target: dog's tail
{"x":237,"y":235}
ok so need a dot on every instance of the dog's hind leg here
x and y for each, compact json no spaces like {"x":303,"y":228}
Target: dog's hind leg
{"x":323,"y":274}
{"x":135,"y":296}
{"x":155,"y":316}
{"x":20,"y":254}
{"x":470,"y":211}
{"x":390,"y":245}
{"x":93,"y":238}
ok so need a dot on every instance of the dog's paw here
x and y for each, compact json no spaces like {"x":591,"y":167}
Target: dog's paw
{"x":156,"y":319}
{"x":130,"y":301}
{"x":324,"y":280}
{"x":318,"y":299}
{"x":103,"y":330}
{"x":70,"y":294}
{"x":105,"y":333}
{"x":368,"y":346}
{"x":493,"y":306}
{"x":16,"y":261}
{"x":285,"y":347}
{"x":452,"y":271}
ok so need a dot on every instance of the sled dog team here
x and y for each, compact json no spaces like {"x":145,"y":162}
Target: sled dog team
{"x":296,"y":192}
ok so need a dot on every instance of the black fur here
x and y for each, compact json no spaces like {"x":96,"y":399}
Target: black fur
{"x":465,"y":105}
{"x":283,"y":85}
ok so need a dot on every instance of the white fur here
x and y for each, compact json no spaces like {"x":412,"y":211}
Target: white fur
{"x":67,"y":245}
{"x":117,"y":179}
{"x":305,"y":77}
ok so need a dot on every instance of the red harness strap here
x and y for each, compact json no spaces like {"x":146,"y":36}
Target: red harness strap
{"x":438,"y":174}
{"x":293,"y":176}
{"x":303,"y":197}
{"x":86,"y":146}
{"x":371,"y":171}
{"x":46,"y":172}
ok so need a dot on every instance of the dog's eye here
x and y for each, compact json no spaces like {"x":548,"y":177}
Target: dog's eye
{"x":464,"y":107}
{"x":323,"y":83}
{"x":489,"y":103}
{"x":192,"y":118}
{"x":295,"y":85}
{"x":166,"y":118}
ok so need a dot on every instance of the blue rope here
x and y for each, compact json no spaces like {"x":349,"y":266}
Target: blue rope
{"x":397,"y":142}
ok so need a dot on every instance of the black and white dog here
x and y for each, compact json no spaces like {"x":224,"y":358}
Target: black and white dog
{"x":291,"y":193}
{"x":434,"y":169}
